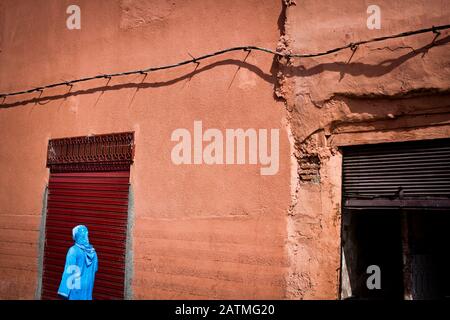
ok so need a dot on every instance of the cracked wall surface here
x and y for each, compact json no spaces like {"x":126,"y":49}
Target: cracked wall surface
{"x":394,"y":90}
{"x":199,"y":231}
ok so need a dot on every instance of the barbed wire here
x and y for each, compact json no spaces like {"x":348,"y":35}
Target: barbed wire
{"x":353,"y":46}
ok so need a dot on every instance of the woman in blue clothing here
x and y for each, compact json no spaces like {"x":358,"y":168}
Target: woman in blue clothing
{"x":78,"y":279}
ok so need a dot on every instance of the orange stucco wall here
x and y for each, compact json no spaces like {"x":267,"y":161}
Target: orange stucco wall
{"x":219,"y":231}
{"x":394,"y":90}
{"x":199,"y":231}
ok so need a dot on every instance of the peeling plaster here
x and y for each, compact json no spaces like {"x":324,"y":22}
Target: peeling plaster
{"x":384,"y":92}
{"x":139,"y":13}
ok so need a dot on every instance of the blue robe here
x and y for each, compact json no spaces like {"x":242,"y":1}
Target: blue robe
{"x":77,"y":281}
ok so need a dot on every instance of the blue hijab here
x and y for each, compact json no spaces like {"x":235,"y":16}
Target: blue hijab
{"x":78,"y":279}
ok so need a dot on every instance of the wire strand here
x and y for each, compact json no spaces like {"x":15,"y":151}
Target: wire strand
{"x":352,"y":46}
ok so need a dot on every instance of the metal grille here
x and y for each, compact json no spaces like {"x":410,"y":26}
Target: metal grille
{"x":410,"y":170}
{"x":98,"y":200}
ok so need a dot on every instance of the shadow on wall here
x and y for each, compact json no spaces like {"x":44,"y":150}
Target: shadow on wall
{"x":354,"y":69}
{"x":270,"y":78}
{"x":358,"y":68}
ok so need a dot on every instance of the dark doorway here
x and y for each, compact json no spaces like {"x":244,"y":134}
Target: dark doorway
{"x":374,"y":238}
{"x":429,"y":245}
{"x":396,"y":215}
{"x":409,"y":246}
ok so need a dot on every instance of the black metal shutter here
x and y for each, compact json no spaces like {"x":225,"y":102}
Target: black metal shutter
{"x":411,"y":174}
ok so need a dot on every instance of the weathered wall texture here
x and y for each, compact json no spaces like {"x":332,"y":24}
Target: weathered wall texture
{"x":388,"y":91}
{"x":199,"y":231}
{"x":214,"y":231}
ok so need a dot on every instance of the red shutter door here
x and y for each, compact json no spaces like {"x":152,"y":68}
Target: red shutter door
{"x":94,"y":194}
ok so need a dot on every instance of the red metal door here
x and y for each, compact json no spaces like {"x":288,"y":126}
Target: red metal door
{"x":94,"y":194}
